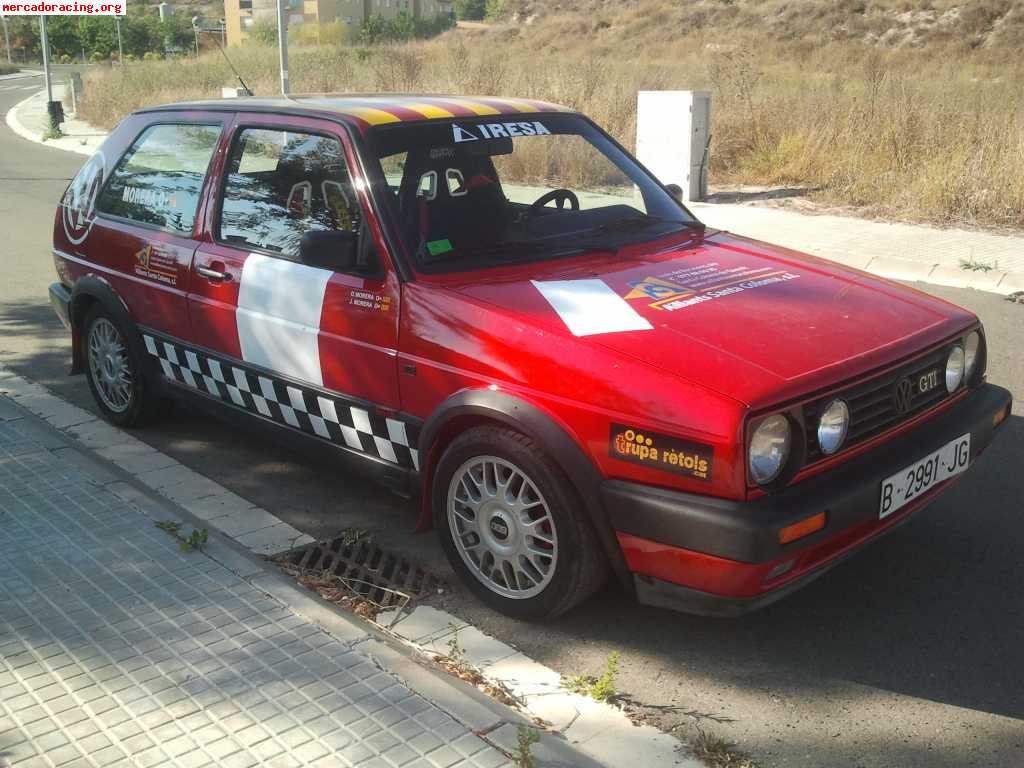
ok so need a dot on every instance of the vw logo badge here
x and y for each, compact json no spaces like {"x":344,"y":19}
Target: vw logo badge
{"x":903,"y":396}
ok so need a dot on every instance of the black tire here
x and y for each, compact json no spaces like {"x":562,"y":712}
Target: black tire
{"x":146,"y":402}
{"x":581,"y":566}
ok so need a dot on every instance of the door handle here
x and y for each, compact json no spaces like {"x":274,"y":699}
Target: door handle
{"x":213,"y":274}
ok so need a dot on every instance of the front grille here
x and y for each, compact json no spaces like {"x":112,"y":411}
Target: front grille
{"x":873,"y":403}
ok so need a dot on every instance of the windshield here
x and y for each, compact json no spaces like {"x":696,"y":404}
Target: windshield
{"x":471,"y":193}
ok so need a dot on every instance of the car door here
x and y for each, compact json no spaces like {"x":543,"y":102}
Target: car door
{"x":310,"y":348}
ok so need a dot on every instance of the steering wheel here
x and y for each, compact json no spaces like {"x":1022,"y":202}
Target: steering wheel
{"x":560,"y":196}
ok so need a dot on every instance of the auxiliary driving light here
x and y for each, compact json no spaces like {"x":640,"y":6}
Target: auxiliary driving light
{"x":954,"y":368}
{"x":832,"y":426}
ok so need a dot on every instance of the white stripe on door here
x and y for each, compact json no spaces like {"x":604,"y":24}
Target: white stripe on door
{"x":278,"y":316}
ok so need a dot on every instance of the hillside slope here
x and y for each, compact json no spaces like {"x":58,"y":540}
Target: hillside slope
{"x":992,"y":24}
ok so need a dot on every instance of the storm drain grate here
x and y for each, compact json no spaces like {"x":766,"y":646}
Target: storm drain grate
{"x":374,"y":574}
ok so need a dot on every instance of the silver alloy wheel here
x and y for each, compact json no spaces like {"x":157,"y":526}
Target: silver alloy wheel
{"x":108,"y":365}
{"x":502,"y":527}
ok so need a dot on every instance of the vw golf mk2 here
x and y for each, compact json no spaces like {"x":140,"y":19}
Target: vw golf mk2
{"x":490,"y":302}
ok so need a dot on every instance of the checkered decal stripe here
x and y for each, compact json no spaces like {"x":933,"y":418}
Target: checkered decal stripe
{"x":328,"y":416}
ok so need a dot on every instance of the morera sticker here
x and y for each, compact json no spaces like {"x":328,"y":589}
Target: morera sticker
{"x":657,"y":451}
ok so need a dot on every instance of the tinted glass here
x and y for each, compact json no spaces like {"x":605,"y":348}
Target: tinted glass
{"x":280,"y":185}
{"x":479,"y":192}
{"x":160,"y":178}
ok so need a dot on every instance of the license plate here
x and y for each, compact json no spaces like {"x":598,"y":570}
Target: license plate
{"x":910,"y":482}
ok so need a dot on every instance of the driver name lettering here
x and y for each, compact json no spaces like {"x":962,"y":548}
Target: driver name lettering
{"x":148,"y":198}
{"x":498,"y":131}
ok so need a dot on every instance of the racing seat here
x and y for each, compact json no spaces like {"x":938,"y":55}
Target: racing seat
{"x":454,"y":196}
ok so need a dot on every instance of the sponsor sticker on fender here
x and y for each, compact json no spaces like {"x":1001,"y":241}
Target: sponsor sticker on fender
{"x":156,"y":264}
{"x":658,"y":451}
{"x":694,"y":285}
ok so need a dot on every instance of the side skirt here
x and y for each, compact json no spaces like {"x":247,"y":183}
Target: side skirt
{"x":306,"y":418}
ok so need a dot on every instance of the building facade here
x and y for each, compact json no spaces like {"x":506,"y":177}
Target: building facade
{"x":241,"y":15}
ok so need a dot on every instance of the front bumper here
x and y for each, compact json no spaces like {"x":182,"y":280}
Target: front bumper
{"x":721,"y":557}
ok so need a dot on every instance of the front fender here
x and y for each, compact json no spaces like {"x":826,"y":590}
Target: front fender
{"x":482,"y":405}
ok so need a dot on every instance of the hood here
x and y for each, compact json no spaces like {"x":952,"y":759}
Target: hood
{"x":757,"y":323}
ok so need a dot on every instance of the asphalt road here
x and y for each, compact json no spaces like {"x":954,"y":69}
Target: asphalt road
{"x":910,"y":654}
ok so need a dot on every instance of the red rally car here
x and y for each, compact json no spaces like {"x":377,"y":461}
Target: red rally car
{"x":489,"y":301}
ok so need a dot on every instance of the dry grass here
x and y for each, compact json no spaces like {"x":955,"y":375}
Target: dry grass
{"x":932,"y":133}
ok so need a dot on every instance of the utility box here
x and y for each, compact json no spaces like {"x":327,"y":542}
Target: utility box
{"x":673,"y":129}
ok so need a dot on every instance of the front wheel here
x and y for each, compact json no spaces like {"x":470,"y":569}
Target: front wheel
{"x":513,"y":527}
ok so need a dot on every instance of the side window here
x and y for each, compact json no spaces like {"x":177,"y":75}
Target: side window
{"x":281,"y":184}
{"x":160,"y":177}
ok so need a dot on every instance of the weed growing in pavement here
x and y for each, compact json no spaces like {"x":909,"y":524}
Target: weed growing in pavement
{"x":977,"y":266}
{"x":352,"y":536}
{"x":195,"y":540}
{"x":456,"y":653}
{"x":598,"y":688}
{"x":53,"y":132}
{"x":523,"y":756}
{"x":716,"y":752}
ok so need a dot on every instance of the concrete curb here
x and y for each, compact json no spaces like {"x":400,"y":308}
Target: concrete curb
{"x":67,"y":143}
{"x":580,"y":731}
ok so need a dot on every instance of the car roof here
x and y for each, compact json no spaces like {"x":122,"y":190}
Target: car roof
{"x":366,"y":110}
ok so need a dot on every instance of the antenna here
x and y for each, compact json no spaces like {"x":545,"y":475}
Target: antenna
{"x":195,"y":24}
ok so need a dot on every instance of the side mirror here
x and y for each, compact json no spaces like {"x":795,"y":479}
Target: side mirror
{"x":331,"y":249}
{"x":676,"y":191}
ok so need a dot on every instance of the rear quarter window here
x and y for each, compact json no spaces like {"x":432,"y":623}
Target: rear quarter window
{"x":160,"y":177}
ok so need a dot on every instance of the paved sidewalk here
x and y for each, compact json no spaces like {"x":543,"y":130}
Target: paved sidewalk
{"x":897,"y":251}
{"x":119,"y":649}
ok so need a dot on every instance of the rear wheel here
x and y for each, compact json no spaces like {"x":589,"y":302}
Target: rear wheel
{"x":117,"y":375}
{"x":513,"y":527}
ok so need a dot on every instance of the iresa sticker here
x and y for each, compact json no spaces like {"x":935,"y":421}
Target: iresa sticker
{"x":657,"y":451}
{"x":497,"y":131}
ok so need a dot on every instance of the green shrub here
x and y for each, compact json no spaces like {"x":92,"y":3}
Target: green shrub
{"x":471,"y":10}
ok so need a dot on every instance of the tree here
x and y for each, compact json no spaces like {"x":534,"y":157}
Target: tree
{"x":263,"y":33}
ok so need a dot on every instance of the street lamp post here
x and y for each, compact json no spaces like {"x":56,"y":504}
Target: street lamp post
{"x":120,"y":46}
{"x":44,"y":41}
{"x":7,"y":38}
{"x":282,"y":43}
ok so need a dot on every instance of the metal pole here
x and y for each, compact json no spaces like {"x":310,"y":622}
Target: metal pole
{"x":120,"y":47}
{"x":45,"y":42}
{"x":7,"y":38}
{"x":195,"y":30}
{"x":223,"y":33}
{"x":282,"y":44}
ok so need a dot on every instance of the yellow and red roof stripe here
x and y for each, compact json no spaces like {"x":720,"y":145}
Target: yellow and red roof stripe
{"x":380,"y":110}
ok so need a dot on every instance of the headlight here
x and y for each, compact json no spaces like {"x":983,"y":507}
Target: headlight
{"x":971,"y":345}
{"x":954,"y":368}
{"x":769,"y":448}
{"x":832,"y":426}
